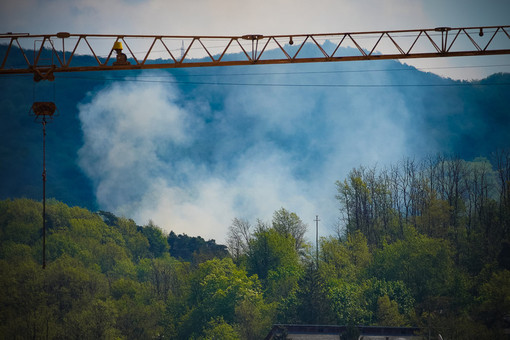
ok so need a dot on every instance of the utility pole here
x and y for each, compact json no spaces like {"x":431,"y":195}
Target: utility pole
{"x":43,"y":112}
{"x":317,"y":239}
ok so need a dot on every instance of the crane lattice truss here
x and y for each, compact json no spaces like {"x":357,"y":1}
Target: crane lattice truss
{"x":45,"y":55}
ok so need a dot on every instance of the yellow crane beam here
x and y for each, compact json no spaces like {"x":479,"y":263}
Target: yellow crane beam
{"x":45,"y":55}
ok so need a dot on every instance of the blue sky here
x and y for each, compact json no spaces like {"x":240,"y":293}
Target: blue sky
{"x":270,"y":17}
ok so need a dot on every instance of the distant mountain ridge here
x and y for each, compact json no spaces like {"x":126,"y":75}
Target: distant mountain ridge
{"x":432,"y":114}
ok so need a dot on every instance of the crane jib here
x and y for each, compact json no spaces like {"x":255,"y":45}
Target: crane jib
{"x":45,"y":55}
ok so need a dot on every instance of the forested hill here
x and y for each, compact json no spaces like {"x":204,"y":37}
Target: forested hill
{"x":423,"y":240}
{"x":106,"y":277}
{"x":359,"y":113}
{"x":426,"y":244}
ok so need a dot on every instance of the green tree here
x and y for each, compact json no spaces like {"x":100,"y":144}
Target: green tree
{"x":270,"y":250}
{"x":135,"y":241}
{"x":435,"y":218}
{"x":494,"y":301}
{"x":366,"y":204}
{"x":217,"y":328}
{"x":94,"y":321}
{"x":217,"y":287}
{"x":158,"y":244}
{"x":139,"y":316}
{"x":254,"y":317}
{"x":349,"y":304}
{"x":396,"y":291}
{"x":347,"y":259}
{"x":164,"y":277}
{"x":273,"y":258}
{"x":23,"y":309}
{"x":313,"y":304}
{"x":69,"y":285}
{"x":388,"y":314}
{"x":20,"y":221}
{"x":287,"y":224}
{"x":194,"y":249}
{"x":424,"y":264}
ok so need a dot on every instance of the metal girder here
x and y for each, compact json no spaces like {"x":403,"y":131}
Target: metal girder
{"x":44,"y":55}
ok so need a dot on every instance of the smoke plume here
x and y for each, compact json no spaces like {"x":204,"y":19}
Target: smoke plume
{"x":192,"y":158}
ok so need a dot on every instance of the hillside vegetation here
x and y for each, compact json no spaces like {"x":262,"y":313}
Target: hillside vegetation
{"x":425,"y":244}
{"x":320,"y":129}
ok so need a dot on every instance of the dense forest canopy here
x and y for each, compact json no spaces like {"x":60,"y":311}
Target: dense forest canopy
{"x":426,"y":244}
{"x":422,"y":242}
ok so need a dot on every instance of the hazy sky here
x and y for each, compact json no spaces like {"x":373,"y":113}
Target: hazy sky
{"x":270,"y":17}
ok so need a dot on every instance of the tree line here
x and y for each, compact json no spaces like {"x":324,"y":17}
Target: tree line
{"x":420,"y":243}
{"x":443,"y":197}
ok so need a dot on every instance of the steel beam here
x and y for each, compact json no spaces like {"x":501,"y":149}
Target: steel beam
{"x":207,"y":51}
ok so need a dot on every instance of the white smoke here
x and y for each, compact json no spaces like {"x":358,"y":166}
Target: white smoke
{"x":126,"y":127}
{"x":192,"y":167}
